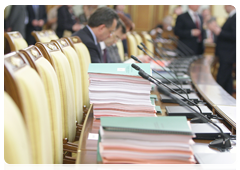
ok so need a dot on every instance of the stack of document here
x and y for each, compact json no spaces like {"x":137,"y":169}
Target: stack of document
{"x":116,"y":89}
{"x":145,"y":140}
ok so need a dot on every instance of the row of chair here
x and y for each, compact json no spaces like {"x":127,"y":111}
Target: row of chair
{"x":48,"y":83}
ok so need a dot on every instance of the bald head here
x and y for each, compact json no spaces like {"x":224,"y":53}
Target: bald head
{"x":229,"y":8}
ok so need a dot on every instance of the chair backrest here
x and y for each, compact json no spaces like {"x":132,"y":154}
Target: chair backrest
{"x":50,"y":81}
{"x":33,"y":105}
{"x":51,"y":34}
{"x":120,"y":49}
{"x":84,"y":60}
{"x":145,"y":38}
{"x":131,"y":45}
{"x":73,"y":60}
{"x":40,"y":36}
{"x":15,"y":40}
{"x":138,"y":39}
{"x":63,"y":70}
{"x":17,"y":149}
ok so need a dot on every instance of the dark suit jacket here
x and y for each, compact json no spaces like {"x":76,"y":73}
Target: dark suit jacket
{"x":65,"y":20}
{"x":184,"y":25}
{"x":87,"y":38}
{"x":226,"y":41}
{"x":31,"y":16}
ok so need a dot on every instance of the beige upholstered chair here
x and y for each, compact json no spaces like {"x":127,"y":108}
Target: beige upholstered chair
{"x":145,"y":37}
{"x":50,"y":81}
{"x":75,"y":66}
{"x":40,"y":36}
{"x":84,"y":61}
{"x":121,"y":50}
{"x":63,"y":70}
{"x":51,"y":34}
{"x":131,"y":45}
{"x":15,"y":40}
{"x":17,"y":149}
{"x":25,"y":86}
{"x":139,"y":40}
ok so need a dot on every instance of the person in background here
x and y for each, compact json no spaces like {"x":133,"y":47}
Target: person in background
{"x":226,"y":48}
{"x":120,"y":10}
{"x":210,"y":37}
{"x":52,"y":18}
{"x":189,"y":29}
{"x":87,"y":12}
{"x":165,"y":26}
{"x":16,"y":19}
{"x":37,"y":17}
{"x":66,"y":21}
{"x":101,"y":24}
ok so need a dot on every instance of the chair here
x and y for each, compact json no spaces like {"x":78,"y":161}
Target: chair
{"x":131,"y":45}
{"x":120,"y":50}
{"x":40,"y":36}
{"x":84,"y":60}
{"x":139,"y":40}
{"x":145,"y":37}
{"x":17,"y":148}
{"x":25,"y":86}
{"x":15,"y":40}
{"x":75,"y":66}
{"x":50,"y":81}
{"x":63,"y":70}
{"x":51,"y":34}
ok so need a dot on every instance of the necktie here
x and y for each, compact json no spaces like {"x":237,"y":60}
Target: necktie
{"x":198,"y":26}
{"x":105,"y":55}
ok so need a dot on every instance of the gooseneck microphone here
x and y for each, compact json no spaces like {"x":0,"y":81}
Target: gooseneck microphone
{"x":222,"y":143}
{"x":183,"y":47}
{"x":136,"y":59}
{"x":153,"y":80}
{"x":161,"y":54}
{"x":159,"y":65}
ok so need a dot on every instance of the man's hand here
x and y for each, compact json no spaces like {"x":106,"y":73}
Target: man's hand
{"x":195,"y":32}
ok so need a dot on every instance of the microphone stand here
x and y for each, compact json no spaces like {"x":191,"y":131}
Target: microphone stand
{"x":138,"y":68}
{"x":159,"y":65}
{"x":221,"y":144}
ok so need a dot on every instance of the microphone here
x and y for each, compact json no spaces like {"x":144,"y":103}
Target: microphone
{"x":221,"y":144}
{"x":160,"y":65}
{"x":155,"y":81}
{"x":137,"y":68}
{"x":183,"y":47}
{"x":161,"y":54}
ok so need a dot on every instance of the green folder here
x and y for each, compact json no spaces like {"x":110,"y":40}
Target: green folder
{"x":118,"y":68}
{"x":161,"y":124}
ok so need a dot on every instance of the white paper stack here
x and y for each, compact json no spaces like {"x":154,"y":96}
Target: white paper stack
{"x":116,"y":89}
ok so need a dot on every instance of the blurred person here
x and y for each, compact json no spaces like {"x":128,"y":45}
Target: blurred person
{"x":16,"y":19}
{"x":101,"y":24}
{"x":206,"y":15}
{"x":210,"y":37}
{"x":226,"y":48}
{"x":37,"y":17}
{"x":165,"y":26}
{"x":87,"y":12}
{"x":66,"y":21}
{"x":189,"y":29}
{"x":52,"y":18}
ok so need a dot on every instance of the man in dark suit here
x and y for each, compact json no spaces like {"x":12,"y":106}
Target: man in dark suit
{"x":226,"y":48}
{"x":66,"y":20}
{"x":101,"y":25}
{"x":189,"y":29}
{"x":37,"y":17}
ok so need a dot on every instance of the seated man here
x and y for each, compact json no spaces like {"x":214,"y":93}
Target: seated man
{"x":101,"y":25}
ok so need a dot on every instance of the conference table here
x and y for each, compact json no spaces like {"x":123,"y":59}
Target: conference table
{"x":216,"y":98}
